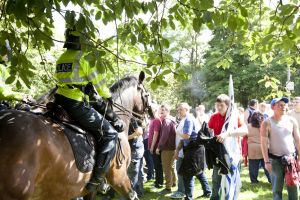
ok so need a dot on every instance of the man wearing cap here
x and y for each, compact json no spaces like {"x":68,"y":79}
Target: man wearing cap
{"x":80,"y":88}
{"x":281,"y":134}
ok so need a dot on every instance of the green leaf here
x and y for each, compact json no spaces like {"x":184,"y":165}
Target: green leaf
{"x":172,"y":25}
{"x":287,"y":44}
{"x":165,"y":72}
{"x":232,"y":23}
{"x":100,"y":66}
{"x":10,"y":79}
{"x":195,"y":4}
{"x":153,"y":85}
{"x":264,"y":58}
{"x":148,"y":79}
{"x":165,"y":43}
{"x":206,"y":4}
{"x":129,"y":12}
{"x":133,"y":39}
{"x":197,"y":25}
{"x":267,"y":39}
{"x":207,"y":17}
{"x":65,"y":2}
{"x":286,"y":9}
{"x":147,"y":71}
{"x":14,"y":60}
{"x":98,"y":15}
{"x":18,"y":84}
{"x":81,"y":23}
{"x":102,"y":53}
{"x":244,"y":12}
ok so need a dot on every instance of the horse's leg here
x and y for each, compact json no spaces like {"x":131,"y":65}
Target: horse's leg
{"x":90,"y":196}
{"x":117,"y":175}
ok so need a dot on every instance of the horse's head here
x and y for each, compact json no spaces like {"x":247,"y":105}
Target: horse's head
{"x":143,"y":98}
{"x":132,"y":95}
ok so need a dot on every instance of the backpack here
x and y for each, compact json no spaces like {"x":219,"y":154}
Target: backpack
{"x":251,"y":111}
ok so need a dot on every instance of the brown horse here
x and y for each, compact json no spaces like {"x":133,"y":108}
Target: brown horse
{"x":36,"y":159}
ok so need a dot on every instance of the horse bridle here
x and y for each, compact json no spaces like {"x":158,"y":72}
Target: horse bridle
{"x":145,"y":102}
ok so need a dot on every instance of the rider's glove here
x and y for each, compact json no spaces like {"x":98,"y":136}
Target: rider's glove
{"x":119,"y":125}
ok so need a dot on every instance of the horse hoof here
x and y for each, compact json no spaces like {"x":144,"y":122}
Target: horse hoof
{"x":133,"y":195}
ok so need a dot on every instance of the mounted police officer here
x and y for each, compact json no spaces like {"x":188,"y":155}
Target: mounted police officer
{"x":78,"y":85}
{"x":6,"y":93}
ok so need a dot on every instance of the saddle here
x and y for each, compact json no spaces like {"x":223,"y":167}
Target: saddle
{"x":82,"y":142}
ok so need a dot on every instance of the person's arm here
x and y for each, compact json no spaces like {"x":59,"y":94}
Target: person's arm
{"x":98,"y":80}
{"x":185,"y":136}
{"x":246,"y":116}
{"x":296,"y":135}
{"x":155,"y":135}
{"x":241,"y":131}
{"x":137,"y":133}
{"x":178,"y":148}
{"x":187,"y":129}
{"x":264,"y":135}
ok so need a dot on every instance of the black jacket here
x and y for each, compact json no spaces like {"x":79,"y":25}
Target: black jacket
{"x":194,"y":159}
{"x":215,"y":152}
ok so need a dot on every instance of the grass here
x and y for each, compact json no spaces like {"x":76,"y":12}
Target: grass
{"x":261,"y":190}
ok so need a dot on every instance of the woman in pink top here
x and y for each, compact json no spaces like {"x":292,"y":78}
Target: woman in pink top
{"x":254,"y":151}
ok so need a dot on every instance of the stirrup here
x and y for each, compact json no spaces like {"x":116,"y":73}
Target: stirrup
{"x":103,"y":186}
{"x":99,"y":185}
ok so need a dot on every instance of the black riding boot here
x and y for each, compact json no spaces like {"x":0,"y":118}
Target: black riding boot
{"x":105,"y":153}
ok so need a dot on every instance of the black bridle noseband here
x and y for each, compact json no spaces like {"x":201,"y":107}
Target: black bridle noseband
{"x":145,"y":102}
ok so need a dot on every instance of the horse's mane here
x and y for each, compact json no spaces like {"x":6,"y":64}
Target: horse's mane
{"x":121,"y":85}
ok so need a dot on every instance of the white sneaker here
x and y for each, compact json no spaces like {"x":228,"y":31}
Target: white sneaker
{"x":177,"y":195}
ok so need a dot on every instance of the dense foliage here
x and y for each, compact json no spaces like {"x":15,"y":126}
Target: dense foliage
{"x":254,"y":40}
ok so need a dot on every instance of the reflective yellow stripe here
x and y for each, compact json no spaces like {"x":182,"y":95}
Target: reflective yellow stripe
{"x":76,"y":75}
{"x":100,"y":83}
{"x":92,"y":76}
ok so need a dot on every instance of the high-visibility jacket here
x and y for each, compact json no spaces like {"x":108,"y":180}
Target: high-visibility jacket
{"x":72,"y":69}
{"x":6,"y":92}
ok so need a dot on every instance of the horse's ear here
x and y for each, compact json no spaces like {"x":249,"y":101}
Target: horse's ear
{"x":141,"y":77}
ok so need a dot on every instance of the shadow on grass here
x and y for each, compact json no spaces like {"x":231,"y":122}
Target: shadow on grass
{"x":249,"y":191}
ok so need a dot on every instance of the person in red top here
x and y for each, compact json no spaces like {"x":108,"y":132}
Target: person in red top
{"x":215,"y":125}
{"x":154,"y":135}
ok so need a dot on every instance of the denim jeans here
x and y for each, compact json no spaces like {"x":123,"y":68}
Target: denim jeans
{"x":254,"y":165}
{"x":216,"y":183}
{"x":277,"y":179}
{"x":204,"y":183}
{"x":180,"y":178}
{"x":188,"y":187}
{"x":135,"y":172}
{"x":149,"y":161}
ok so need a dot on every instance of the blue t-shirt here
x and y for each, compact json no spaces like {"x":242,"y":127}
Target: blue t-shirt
{"x":190,"y":127}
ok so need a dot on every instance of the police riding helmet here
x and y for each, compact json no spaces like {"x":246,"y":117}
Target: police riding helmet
{"x":72,"y":40}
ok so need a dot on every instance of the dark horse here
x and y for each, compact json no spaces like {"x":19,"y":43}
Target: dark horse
{"x":36,"y":159}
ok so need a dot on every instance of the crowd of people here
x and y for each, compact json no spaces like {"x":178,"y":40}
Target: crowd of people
{"x":261,"y":127}
{"x":268,"y":135}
